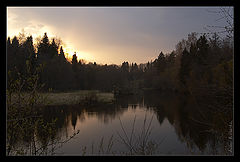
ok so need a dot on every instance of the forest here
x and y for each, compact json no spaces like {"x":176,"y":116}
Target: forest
{"x":198,"y":64}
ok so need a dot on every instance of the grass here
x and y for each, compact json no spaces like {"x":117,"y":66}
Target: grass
{"x":72,"y":98}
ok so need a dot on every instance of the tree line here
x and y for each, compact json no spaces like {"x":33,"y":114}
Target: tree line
{"x":198,"y":62}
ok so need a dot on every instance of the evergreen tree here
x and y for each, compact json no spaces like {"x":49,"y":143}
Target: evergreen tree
{"x":62,"y":55}
{"x":43,"y":49}
{"x":29,"y":51}
{"x":53,"y":50}
{"x":160,"y":63}
{"x":75,"y":70}
{"x":74,"y":59}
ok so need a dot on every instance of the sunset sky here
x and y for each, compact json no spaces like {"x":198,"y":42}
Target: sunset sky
{"x":113,"y":34}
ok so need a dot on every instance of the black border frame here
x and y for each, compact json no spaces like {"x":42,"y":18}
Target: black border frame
{"x":87,"y":3}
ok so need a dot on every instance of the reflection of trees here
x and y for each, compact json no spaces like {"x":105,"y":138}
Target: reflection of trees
{"x":188,"y":131}
{"x":105,"y":113}
{"x":125,"y":101}
{"x":199,"y":126}
{"x":74,"y":119}
{"x":161,"y":114}
{"x":193,"y":122}
{"x":66,"y":115}
{"x":163,"y":104}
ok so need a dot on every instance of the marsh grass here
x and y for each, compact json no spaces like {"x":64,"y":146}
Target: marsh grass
{"x":79,"y":97}
{"x":70,"y":98}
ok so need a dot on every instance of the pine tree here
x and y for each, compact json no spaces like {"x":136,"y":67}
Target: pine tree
{"x":74,"y":59}
{"x":160,"y":63}
{"x":43,"y":49}
{"x":53,"y":50}
{"x":62,"y":55}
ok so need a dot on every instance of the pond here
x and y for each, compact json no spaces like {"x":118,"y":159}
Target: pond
{"x":148,"y":124}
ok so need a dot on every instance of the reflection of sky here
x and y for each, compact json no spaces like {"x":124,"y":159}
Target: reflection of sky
{"x":95,"y":123}
{"x":92,"y":131}
{"x":113,"y":35}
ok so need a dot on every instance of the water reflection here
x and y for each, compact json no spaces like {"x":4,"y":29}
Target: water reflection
{"x":194,"y":124}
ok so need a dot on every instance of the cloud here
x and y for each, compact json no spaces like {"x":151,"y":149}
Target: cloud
{"x":112,"y":32}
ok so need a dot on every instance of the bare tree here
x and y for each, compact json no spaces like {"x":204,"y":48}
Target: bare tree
{"x":226,"y":15}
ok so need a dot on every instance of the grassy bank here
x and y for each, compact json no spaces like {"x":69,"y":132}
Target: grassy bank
{"x":82,"y":97}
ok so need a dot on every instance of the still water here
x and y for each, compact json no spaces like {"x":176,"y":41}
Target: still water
{"x":171,"y":124}
{"x":177,"y":125}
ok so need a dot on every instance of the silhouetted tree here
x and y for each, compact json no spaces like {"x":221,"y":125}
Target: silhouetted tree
{"x":62,"y":55}
{"x":53,"y":50}
{"x":160,"y":63}
{"x":185,"y":66}
{"x":29,"y":51}
{"x":43,"y":47}
{"x":194,"y":63}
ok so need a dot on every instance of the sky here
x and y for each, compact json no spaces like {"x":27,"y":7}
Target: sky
{"x":112,"y":35}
